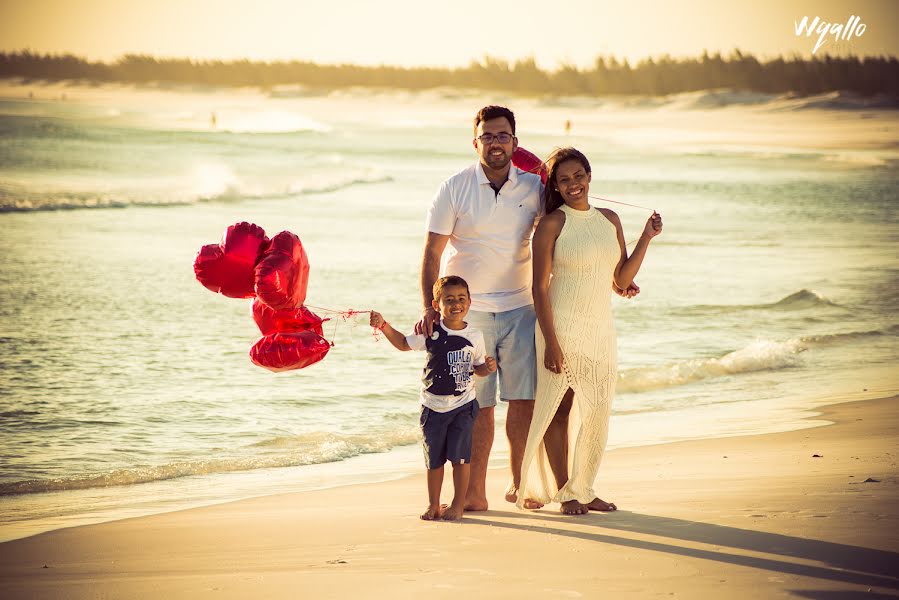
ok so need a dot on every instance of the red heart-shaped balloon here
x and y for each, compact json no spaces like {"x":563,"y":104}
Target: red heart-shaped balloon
{"x":283,"y":272}
{"x":287,"y":351}
{"x":229,"y":267}
{"x":270,"y":320}
{"x":530,"y":162}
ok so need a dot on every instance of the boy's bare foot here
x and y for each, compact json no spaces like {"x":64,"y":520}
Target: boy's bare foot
{"x":573,"y":507}
{"x":452,"y":514}
{"x":433,"y":513}
{"x":602,"y":506}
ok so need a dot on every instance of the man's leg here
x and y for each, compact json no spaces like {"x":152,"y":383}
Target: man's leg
{"x":481,"y":443}
{"x":482,"y":432}
{"x":518,"y":422}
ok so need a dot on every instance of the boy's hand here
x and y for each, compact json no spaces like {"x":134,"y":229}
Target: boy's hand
{"x":491,"y":364}
{"x":376,"y":320}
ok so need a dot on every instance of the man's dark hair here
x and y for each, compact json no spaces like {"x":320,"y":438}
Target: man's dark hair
{"x":446,"y":281}
{"x":493,"y":112}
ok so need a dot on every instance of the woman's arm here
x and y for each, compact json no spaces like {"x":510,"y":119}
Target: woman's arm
{"x":628,"y":266}
{"x":544,"y":245}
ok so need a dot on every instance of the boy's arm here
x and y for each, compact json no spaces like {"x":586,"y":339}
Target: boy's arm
{"x":487,"y":368}
{"x":395,"y":337}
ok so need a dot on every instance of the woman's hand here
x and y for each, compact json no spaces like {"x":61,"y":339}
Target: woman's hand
{"x":632,"y":290}
{"x":653,"y":225}
{"x":552,"y":358}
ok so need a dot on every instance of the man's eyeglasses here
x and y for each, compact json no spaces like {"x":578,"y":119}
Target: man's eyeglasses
{"x":502,"y":138}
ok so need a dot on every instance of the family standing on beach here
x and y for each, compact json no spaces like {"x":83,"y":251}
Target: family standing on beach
{"x":536,"y":331}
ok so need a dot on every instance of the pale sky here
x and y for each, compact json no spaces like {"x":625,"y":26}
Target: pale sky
{"x":445,"y":33}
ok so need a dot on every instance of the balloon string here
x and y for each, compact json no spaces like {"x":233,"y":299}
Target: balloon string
{"x":345,"y":315}
{"x":623,"y":203}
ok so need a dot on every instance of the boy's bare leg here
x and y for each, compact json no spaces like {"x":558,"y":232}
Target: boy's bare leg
{"x":481,"y":443}
{"x":435,"y":482}
{"x":518,"y":422}
{"x":461,"y":475}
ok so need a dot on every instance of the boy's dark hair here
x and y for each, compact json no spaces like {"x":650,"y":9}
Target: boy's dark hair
{"x":493,"y":112}
{"x":448,"y":280}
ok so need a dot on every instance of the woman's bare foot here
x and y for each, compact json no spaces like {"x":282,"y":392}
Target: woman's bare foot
{"x":602,"y":506}
{"x":511,"y":493}
{"x":573,"y":507}
{"x":433,"y":513}
{"x":512,"y":496}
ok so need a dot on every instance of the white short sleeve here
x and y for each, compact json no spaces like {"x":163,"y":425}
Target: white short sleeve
{"x":442,"y":214}
{"x":416,"y":341}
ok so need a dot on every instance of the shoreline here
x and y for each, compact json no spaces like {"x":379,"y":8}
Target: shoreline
{"x":114,"y":503}
{"x":748,"y":516}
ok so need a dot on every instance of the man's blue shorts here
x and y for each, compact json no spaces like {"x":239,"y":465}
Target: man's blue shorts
{"x":447,"y":435}
{"x":509,"y":338}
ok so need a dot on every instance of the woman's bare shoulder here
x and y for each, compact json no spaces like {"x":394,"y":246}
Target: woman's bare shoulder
{"x":611,"y":215}
{"x":552,"y":222}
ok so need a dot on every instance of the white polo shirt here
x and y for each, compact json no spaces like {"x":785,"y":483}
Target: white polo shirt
{"x":490,"y":235}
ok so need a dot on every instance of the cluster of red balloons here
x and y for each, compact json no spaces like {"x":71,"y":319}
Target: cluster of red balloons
{"x":275,"y":273}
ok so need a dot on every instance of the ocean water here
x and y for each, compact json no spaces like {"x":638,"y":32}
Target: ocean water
{"x":125,"y":386}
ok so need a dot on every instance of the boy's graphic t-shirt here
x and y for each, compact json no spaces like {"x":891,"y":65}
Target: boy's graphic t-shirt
{"x":447,"y":379}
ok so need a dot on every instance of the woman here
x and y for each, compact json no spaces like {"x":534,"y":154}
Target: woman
{"x":583,"y":249}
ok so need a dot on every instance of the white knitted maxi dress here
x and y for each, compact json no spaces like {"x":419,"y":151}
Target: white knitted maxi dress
{"x":584,"y":260}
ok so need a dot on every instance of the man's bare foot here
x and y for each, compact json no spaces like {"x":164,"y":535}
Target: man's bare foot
{"x":532,"y":504}
{"x":602,"y":506}
{"x":475,"y":504}
{"x":573,"y":507}
{"x":453,"y":513}
{"x":433,"y":513}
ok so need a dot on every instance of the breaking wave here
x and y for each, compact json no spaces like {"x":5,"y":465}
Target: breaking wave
{"x":760,"y":355}
{"x":289,"y":451}
{"x":802,"y":300}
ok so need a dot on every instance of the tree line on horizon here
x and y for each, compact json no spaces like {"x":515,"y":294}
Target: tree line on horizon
{"x":652,"y":76}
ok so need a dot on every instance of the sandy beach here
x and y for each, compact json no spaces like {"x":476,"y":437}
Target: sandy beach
{"x":802,"y":514}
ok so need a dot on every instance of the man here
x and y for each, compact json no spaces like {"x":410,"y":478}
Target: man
{"x":487,"y":214}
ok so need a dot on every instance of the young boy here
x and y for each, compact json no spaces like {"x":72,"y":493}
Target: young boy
{"x":448,"y":405}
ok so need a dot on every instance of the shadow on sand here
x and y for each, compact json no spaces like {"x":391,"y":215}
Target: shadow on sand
{"x":844,"y":563}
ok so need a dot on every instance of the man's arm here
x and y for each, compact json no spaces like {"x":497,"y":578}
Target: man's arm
{"x":435,"y":244}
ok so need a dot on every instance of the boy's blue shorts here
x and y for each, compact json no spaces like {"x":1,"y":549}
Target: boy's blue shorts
{"x":447,"y":436}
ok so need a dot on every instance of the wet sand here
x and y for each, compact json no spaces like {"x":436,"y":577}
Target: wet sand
{"x":742,"y":517}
